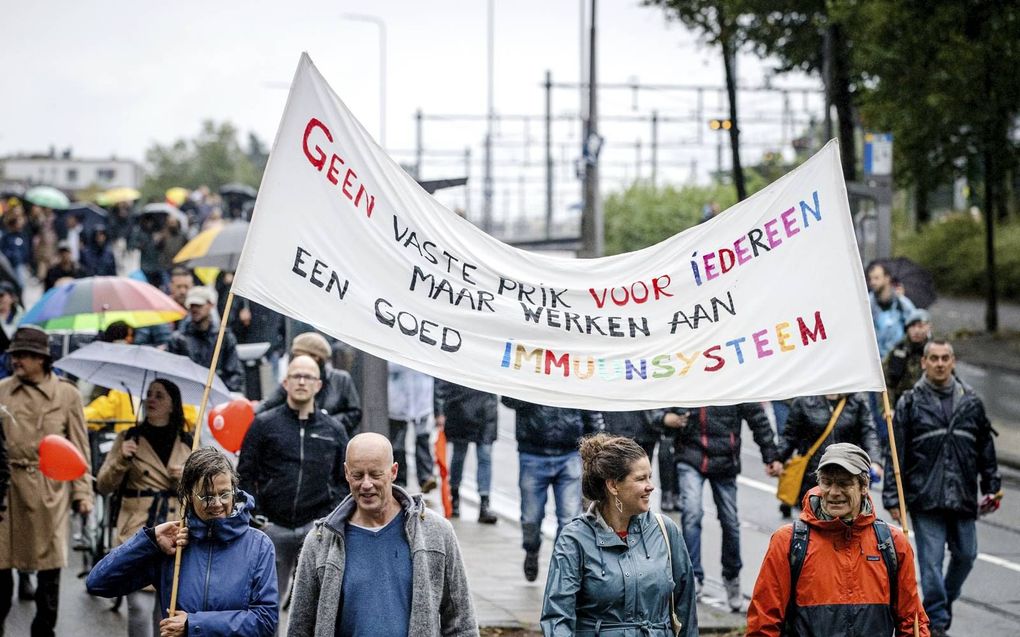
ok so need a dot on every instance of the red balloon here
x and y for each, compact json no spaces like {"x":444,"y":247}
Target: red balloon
{"x":61,"y":460}
{"x":229,"y":422}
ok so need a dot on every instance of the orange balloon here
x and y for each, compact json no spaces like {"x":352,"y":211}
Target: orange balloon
{"x":229,"y":422}
{"x":61,"y":460}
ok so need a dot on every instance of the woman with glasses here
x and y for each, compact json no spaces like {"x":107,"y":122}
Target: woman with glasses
{"x":143,"y":468}
{"x":227,"y":583}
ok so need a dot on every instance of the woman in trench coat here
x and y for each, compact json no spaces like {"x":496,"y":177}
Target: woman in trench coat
{"x":144,"y":466}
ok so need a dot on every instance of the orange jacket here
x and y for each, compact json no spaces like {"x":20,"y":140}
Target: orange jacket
{"x":843,"y":587}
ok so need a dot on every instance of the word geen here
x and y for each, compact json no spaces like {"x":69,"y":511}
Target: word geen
{"x":318,"y":159}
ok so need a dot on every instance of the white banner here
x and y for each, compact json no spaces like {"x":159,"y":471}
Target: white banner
{"x":765,"y":301}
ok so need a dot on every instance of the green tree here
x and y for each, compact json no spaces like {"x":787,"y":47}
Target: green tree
{"x":212,"y":158}
{"x":718,"y":22}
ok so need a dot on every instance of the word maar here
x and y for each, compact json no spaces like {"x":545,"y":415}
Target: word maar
{"x":449,"y":339}
{"x":757,"y":242}
{"x":317,"y":157}
{"x":678,"y":364}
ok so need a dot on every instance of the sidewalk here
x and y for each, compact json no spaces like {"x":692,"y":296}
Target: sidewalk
{"x":503,"y":598}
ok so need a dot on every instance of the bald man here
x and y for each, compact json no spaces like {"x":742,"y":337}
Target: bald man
{"x":292,"y":463}
{"x":381,"y":548}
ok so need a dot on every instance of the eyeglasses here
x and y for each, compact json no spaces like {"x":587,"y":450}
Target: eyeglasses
{"x":210,"y":500}
{"x":302,"y":378}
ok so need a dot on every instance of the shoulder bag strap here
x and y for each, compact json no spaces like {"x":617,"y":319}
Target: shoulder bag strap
{"x":828,"y":429}
{"x":669,"y":558}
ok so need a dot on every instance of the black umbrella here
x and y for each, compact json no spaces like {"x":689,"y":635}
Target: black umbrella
{"x":163,"y":210}
{"x":90,"y":214}
{"x":243,"y":191}
{"x":917,"y":282}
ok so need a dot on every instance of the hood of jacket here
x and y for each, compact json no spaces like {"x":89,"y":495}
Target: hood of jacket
{"x":225,"y":529}
{"x":811,"y":513}
{"x":410,"y":504}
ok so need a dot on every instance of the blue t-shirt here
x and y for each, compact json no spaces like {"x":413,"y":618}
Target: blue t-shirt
{"x":376,"y":592}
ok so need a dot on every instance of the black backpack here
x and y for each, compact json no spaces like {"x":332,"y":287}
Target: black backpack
{"x":798,"y":551}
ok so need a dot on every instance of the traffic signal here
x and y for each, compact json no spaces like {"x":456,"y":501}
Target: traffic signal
{"x":720,"y":124}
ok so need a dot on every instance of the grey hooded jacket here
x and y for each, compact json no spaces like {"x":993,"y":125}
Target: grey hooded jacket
{"x":440,"y":600}
{"x":600,"y":584}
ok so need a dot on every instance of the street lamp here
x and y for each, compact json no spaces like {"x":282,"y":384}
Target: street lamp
{"x":377,"y":21}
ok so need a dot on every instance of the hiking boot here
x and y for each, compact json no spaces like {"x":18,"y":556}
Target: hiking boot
{"x":26,"y":589}
{"x":786,"y":511}
{"x":669,"y":502}
{"x":485,"y":515}
{"x":938,"y":631}
{"x":531,"y":566}
{"x":455,"y":501}
{"x":734,"y":598}
{"x":428,"y":484}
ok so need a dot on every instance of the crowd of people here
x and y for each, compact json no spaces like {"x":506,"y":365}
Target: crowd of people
{"x":320,"y":517}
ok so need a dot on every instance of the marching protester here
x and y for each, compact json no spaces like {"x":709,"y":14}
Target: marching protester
{"x":144,"y":467}
{"x":412,"y":406}
{"x":945,"y":448}
{"x":382,"y":563}
{"x":819,"y":421}
{"x":338,"y":396}
{"x":468,"y":416}
{"x":889,"y":308}
{"x":838,"y":570}
{"x":547,"y":439}
{"x":619,"y":569}
{"x":34,"y":402}
{"x":196,"y":339}
{"x":10,"y":316}
{"x":903,"y":364}
{"x":292,"y":463}
{"x":708,"y":450}
{"x":219,"y":547}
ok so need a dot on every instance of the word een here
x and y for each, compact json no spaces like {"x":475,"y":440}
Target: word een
{"x":678,"y":364}
{"x":755,"y":243}
{"x":318,"y":270}
{"x":318,"y":159}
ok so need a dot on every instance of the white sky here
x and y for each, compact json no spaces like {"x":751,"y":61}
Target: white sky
{"x":115,"y":76}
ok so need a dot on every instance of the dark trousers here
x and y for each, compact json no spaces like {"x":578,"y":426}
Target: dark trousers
{"x":423,"y":460}
{"x":47,"y":595}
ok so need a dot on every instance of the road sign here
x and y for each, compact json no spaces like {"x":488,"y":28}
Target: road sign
{"x":878,"y":154}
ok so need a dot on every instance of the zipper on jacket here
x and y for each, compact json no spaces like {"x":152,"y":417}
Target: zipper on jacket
{"x":300,"y":470}
{"x":208,"y":572}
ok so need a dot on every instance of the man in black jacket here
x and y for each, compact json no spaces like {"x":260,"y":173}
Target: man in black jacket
{"x":708,"y":448}
{"x":468,"y":415}
{"x":547,"y":443}
{"x":292,"y":462}
{"x":945,"y":445}
{"x":196,"y":339}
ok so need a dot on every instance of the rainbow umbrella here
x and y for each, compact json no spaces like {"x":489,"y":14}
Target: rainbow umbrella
{"x":95,"y":302}
{"x":218,"y":247}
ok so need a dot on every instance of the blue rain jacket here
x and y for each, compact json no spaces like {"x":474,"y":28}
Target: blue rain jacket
{"x":227,"y":581}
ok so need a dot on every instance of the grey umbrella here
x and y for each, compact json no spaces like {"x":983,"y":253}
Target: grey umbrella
{"x":131,"y":368}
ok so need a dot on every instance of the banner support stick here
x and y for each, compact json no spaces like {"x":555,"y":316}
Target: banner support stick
{"x":198,"y":429}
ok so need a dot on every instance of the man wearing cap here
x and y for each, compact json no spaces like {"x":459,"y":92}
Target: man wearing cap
{"x":903,"y":364}
{"x":838,"y":570}
{"x":338,"y":396}
{"x":196,"y":338}
{"x":33,"y":533}
{"x":945,"y":447}
{"x":64,"y":268}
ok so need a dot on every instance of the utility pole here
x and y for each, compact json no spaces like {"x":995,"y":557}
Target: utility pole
{"x":592,"y":232}
{"x":548,"y":156}
{"x":467,"y":186}
{"x":487,"y":178}
{"x":418,"y":148}
{"x":655,"y":147}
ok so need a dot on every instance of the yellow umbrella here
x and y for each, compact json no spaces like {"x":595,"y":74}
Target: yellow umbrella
{"x":218,"y":247}
{"x":176,"y":196}
{"x":114,"y":196}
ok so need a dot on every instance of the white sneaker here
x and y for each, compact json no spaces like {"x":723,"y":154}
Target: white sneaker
{"x":733,"y":596}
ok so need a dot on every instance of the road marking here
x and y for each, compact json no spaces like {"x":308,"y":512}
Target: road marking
{"x":991,"y":559}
